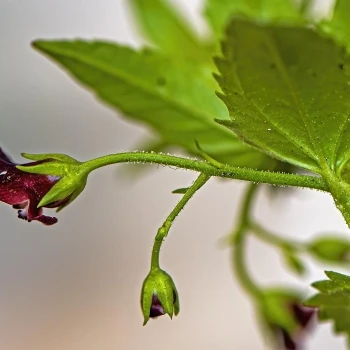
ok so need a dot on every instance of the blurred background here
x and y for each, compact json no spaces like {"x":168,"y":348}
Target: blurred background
{"x":76,"y":285}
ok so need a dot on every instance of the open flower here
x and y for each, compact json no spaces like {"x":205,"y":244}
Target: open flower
{"x":32,"y":186}
{"x":159,"y":295}
{"x":286,"y":318}
{"x":303,"y":317}
{"x":24,"y":191}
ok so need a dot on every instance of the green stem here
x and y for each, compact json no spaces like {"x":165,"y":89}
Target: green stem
{"x":226,"y":171}
{"x":273,"y":239}
{"x":240,"y":240}
{"x":340,"y":191}
{"x":164,"y":229}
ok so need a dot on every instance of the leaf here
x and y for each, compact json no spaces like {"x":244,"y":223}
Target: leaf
{"x":333,"y":301}
{"x":284,"y":101}
{"x":219,"y":12}
{"x":338,"y":26}
{"x":294,"y":262}
{"x":330,"y":249}
{"x":180,"y":190}
{"x":163,"y":26}
{"x":173,"y":98}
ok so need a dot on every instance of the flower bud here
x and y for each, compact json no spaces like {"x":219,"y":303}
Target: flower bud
{"x":330,"y":248}
{"x":285,"y":318}
{"x":159,"y":295}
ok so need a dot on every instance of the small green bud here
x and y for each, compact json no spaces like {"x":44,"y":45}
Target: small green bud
{"x":294,"y":262}
{"x":159,"y":295}
{"x":72,"y":177}
{"x":330,"y":249}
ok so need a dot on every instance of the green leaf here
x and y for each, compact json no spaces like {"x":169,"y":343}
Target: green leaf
{"x":333,"y":301}
{"x":219,"y":12}
{"x":284,"y":101}
{"x":338,"y":26}
{"x":174,"y":98}
{"x":163,"y":26}
{"x":330,"y":249}
{"x":180,"y":190}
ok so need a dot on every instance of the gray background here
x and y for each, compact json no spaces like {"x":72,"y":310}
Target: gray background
{"x":76,"y":285}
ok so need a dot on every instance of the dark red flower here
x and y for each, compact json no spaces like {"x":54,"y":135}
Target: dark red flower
{"x":24,"y":190}
{"x":303,"y":317}
{"x":157,"y":308}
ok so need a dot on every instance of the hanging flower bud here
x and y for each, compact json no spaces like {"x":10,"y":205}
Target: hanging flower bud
{"x":159,"y":295}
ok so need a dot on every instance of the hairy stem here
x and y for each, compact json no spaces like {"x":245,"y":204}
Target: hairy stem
{"x":164,"y":229}
{"x":340,"y":191}
{"x":226,"y":171}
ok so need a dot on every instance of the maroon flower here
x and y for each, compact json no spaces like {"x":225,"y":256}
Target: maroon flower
{"x":24,"y":190}
{"x":303,"y":317}
{"x":157,"y":308}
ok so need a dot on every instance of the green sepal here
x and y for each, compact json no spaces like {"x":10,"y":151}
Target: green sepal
{"x":146,"y":299}
{"x":73,"y":176}
{"x":53,"y":168}
{"x":56,"y":156}
{"x":160,"y":283}
{"x":68,"y":186}
{"x":74,"y":195}
{"x":275,"y":311}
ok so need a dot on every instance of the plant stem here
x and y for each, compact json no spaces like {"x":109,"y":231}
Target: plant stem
{"x":239,"y":245}
{"x":273,"y":239}
{"x":340,"y":191}
{"x":164,"y":229}
{"x":226,"y":171}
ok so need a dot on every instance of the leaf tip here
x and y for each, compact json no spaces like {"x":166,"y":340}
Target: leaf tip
{"x":36,"y":44}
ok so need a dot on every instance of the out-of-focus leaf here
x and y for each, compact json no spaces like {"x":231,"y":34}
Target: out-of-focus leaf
{"x":162,"y":24}
{"x":333,"y":301}
{"x":283,"y":100}
{"x":294,"y":262}
{"x":173,"y":98}
{"x":338,"y":25}
{"x":219,"y":12}
{"x":330,"y":249}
